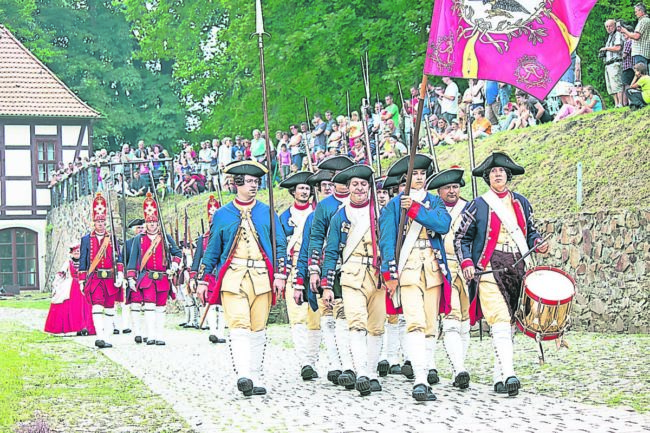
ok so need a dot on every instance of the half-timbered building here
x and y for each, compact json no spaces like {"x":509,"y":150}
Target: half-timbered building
{"x":42,"y":123}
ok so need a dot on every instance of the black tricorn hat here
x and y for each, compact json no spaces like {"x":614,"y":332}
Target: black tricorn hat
{"x":400,"y":167}
{"x":319,"y":177}
{"x":446,"y":177}
{"x":296,"y":179}
{"x":360,"y":171}
{"x":336,"y":163}
{"x":393,"y":181}
{"x":136,"y":222}
{"x":251,"y":168}
{"x":498,"y":159}
{"x":379,"y":183}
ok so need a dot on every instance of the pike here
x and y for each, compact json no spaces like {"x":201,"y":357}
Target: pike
{"x":311,"y":168}
{"x":401,"y":227}
{"x":259,"y":31}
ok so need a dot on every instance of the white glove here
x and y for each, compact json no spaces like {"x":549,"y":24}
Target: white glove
{"x":174,"y":267}
{"x":82,"y":285}
{"x":132,"y":284}
{"x":119,"y":279}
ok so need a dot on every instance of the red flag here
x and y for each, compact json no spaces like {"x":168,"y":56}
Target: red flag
{"x":526,"y":43}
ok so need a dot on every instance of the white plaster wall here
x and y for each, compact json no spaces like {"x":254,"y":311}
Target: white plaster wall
{"x":18,"y":162}
{"x":45,"y":130}
{"x":43,"y":197}
{"x":17,"y":135}
{"x":19,"y":193}
{"x":69,"y":135}
{"x":39,"y":227}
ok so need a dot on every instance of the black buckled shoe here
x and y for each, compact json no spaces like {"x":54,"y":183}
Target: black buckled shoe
{"x":382,"y":368}
{"x":126,"y":331}
{"x":363,"y":386}
{"x":84,"y":332}
{"x":432,"y":377}
{"x":138,"y":339}
{"x":213,"y":339}
{"x":500,"y":388}
{"x":116,"y":331}
{"x":375,"y":386}
{"x":421,"y":392}
{"x":259,"y":390}
{"x":347,"y":379}
{"x":182,"y":325}
{"x":407,"y":370}
{"x":151,"y":342}
{"x":307,"y":372}
{"x":315,"y":375}
{"x":245,"y":385}
{"x":160,"y":343}
{"x":461,"y":380}
{"x":512,"y":386}
{"x":333,"y":376}
{"x":395,"y":369}
{"x":101,"y":344}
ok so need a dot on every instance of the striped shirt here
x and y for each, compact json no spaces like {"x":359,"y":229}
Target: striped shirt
{"x":641,"y":46}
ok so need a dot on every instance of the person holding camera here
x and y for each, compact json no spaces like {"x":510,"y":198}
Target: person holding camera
{"x":640,"y":36}
{"x":612,"y":54}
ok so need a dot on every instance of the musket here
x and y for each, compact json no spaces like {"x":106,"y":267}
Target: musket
{"x":472,"y":164}
{"x":186,"y":235}
{"x":176,"y":233}
{"x":404,"y":113}
{"x":365,"y":72}
{"x":309,"y":164}
{"x":202,"y":227}
{"x":397,"y":302}
{"x":259,"y":31}
{"x":219,"y":187}
{"x":114,"y":243}
{"x":432,"y":149}
{"x":160,"y":222}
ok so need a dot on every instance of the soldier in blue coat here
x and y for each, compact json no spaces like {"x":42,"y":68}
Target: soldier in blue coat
{"x":421,"y":272}
{"x":132,"y":310}
{"x":237,"y":262}
{"x":322,"y":217}
{"x":496,"y":229}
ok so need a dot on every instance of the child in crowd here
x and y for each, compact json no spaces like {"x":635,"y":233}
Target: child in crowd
{"x":285,"y":161}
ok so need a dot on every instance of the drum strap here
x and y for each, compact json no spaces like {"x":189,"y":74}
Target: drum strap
{"x":509,"y":221}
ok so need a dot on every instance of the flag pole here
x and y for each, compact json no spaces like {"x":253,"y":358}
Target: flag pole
{"x":259,"y":31}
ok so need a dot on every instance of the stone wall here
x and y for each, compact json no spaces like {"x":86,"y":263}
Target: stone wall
{"x":608,"y":254}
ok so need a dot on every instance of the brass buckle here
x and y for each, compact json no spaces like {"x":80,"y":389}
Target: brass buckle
{"x":103,"y":274}
{"x":156,"y":276}
{"x":250,"y":263}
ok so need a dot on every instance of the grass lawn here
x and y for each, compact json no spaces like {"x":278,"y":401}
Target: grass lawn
{"x":73,"y":388}
{"x":38,"y":301}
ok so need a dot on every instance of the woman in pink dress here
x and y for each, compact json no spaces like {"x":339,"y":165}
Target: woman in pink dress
{"x":70,"y":311}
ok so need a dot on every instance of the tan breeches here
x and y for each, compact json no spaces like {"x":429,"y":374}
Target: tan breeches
{"x":301,"y":314}
{"x":392,"y":319}
{"x":493,"y":304}
{"x":245,"y":309}
{"x":459,"y":299}
{"x":365,"y":306}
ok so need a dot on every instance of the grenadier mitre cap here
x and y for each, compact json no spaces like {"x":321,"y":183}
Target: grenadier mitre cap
{"x":320,"y":176}
{"x":336,"y":163}
{"x":359,"y":171}
{"x":446,"y":177}
{"x":401,"y":166}
{"x":251,"y":168}
{"x":213,"y":206}
{"x":296,"y":179}
{"x":498,"y":159}
{"x":150,"y":208}
{"x":100,"y":208}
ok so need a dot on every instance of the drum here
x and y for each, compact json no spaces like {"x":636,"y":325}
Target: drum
{"x":545,"y":305}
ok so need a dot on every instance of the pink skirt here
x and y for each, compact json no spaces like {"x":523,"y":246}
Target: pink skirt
{"x":72,"y":315}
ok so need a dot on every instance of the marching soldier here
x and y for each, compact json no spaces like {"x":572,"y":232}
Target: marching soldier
{"x":240,"y":251}
{"x":154,"y":259}
{"x":455,"y":325}
{"x":305,"y":322}
{"x":216,"y":320}
{"x":323,"y":214}
{"x":421,"y":271}
{"x":101,"y":271}
{"x":134,"y":309}
{"x":321,"y":181}
{"x":351,"y":240}
{"x":496,"y":229}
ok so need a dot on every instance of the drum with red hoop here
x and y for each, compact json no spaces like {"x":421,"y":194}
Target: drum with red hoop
{"x":545,"y":304}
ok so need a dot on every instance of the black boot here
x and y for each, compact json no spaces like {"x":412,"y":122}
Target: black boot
{"x":500,"y":388}
{"x":116,"y":331}
{"x":333,"y":376}
{"x":245,"y":385}
{"x":512,"y":386}
{"x":363,"y":386}
{"x":347,"y":379}
{"x":126,"y":331}
{"x":307,"y":372}
{"x":421,"y":392}
{"x":432,"y":377}
{"x":84,"y":332}
{"x":213,"y":339}
{"x":151,"y":342}
{"x":395,"y":369}
{"x":407,"y":370}
{"x":102,"y":344}
{"x":160,"y":343}
{"x":375,"y":386}
{"x":182,"y":325}
{"x":259,"y":390}
{"x":138,"y":339}
{"x":382,"y":368}
{"x":461,"y":380}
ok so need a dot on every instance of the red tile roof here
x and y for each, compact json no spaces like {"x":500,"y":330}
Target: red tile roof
{"x":29,"y":88}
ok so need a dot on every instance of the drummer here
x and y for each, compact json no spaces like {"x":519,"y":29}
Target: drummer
{"x":496,"y":229}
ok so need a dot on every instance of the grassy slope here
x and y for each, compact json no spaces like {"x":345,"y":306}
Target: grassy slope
{"x":72,"y":387}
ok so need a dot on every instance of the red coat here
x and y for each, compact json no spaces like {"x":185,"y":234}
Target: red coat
{"x":90,"y":246}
